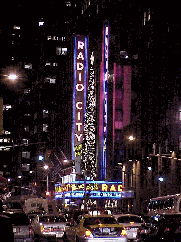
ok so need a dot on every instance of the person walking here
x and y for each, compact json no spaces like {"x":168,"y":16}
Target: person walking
{"x":6,"y":229}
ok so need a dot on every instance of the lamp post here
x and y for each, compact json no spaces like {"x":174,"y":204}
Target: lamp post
{"x":160,"y":180}
{"x":46,"y":167}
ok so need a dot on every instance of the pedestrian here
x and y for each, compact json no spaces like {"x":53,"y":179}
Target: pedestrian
{"x":6,"y":229}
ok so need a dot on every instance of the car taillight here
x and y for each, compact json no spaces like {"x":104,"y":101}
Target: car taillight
{"x":31,"y":232}
{"x":88,"y":234}
{"x":123,"y":232}
{"x":166,"y":230}
{"x":41,"y":227}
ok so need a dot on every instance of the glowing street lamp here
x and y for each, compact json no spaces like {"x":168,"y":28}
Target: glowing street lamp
{"x":46,"y":167}
{"x":131,"y":137}
{"x":12,"y":77}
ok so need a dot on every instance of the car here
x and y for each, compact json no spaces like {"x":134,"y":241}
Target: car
{"x":168,"y":228}
{"x":95,"y":228}
{"x":134,"y":225}
{"x":21,"y":226}
{"x":49,"y":226}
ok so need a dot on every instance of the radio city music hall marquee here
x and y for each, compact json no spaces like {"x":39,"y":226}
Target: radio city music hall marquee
{"x":80,"y":86}
{"x":94,"y":189}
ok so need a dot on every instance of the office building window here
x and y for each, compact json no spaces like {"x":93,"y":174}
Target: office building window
{"x":26,"y":154}
{"x":16,"y":27}
{"x":27,"y":91}
{"x":35,"y":129}
{"x":58,"y":50}
{"x":179,"y":142}
{"x":26,"y":128}
{"x":52,"y":80}
{"x":41,"y":23}
{"x":45,"y":127}
{"x":64,"y":51}
{"x":68,"y":4}
{"x":28,"y":66}
{"x":25,"y":141}
{"x":45,"y":113}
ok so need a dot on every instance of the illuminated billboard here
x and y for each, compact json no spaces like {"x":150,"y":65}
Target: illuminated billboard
{"x":79,"y":94}
{"x":94,"y":189}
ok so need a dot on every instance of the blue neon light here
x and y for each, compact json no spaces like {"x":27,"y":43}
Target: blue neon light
{"x":95,"y":194}
{"x":88,"y":181}
{"x":74,"y":94}
{"x":85,"y":76}
{"x":105,"y":106}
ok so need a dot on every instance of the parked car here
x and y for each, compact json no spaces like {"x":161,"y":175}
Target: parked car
{"x":134,"y":225}
{"x":167,"y":228}
{"x":21,"y":226}
{"x":95,"y":228}
{"x":49,"y":226}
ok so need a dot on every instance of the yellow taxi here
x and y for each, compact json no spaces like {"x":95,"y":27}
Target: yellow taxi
{"x":95,"y":228}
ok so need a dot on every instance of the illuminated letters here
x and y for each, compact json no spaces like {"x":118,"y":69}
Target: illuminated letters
{"x":80,"y":56}
{"x":79,"y":126}
{"x":77,"y":105}
{"x":104,"y":187}
{"x":80,"y":63}
{"x":78,"y":136}
{"x":120,"y":188}
{"x":80,"y":66}
{"x":113,"y":188}
{"x":80,"y":45}
{"x":79,"y":87}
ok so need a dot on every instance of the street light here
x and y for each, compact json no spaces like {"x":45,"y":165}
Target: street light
{"x":160,"y":180}
{"x":12,"y":77}
{"x":46,"y":167}
{"x":131,"y":137}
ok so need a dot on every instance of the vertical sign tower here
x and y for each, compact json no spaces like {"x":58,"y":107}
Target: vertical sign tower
{"x":103,"y":103}
{"x":79,"y":98}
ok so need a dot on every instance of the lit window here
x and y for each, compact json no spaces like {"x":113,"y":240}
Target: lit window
{"x":45,"y":113}
{"x":26,"y":154}
{"x":7,"y":107}
{"x":55,"y":64}
{"x":48,"y":64}
{"x":58,"y":50}
{"x":144,"y":18}
{"x":45,"y":127}
{"x":26,"y":128}
{"x":12,"y":58}
{"x":49,"y":37}
{"x":149,"y":14}
{"x":52,"y":80}
{"x":16,"y":27}
{"x":64,"y":51}
{"x":41,"y":23}
{"x":25,"y":141}
{"x":180,"y":115}
{"x":28,"y":66}
{"x":12,"y":42}
{"x":63,"y":38}
{"x":35,"y":129}
{"x":1,"y":140}
{"x":55,"y":38}
{"x":26,"y":91}
{"x":7,"y":132}
{"x":179,"y":142}
{"x":68,"y":4}
{"x":27,"y":114}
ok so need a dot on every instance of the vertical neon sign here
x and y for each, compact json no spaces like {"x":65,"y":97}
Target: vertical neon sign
{"x":104,"y":102}
{"x":79,"y":92}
